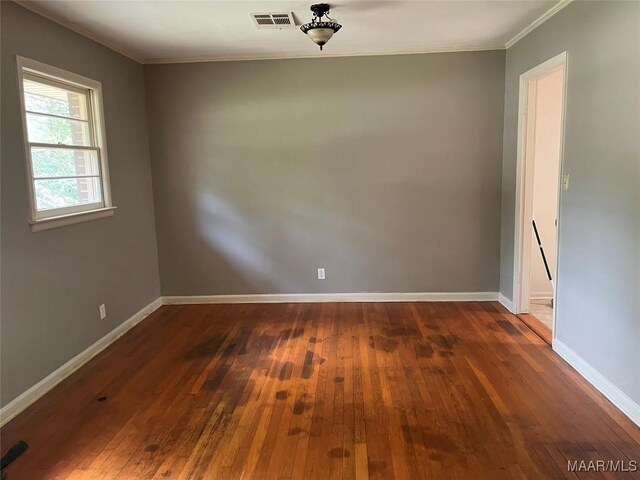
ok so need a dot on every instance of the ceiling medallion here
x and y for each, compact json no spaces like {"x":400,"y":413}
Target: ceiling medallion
{"x":318,"y":30}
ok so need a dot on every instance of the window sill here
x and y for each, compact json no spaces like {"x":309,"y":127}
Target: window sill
{"x":70,"y":219}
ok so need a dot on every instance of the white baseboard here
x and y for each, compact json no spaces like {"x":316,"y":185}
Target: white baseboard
{"x":506,"y":303}
{"x":20,"y":403}
{"x":595,"y":378}
{"x":333,"y":297}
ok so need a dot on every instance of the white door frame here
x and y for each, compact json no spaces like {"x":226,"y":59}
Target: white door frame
{"x":524,"y":190}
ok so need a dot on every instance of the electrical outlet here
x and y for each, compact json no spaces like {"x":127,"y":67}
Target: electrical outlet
{"x":321,"y":274}
{"x":565,"y":182}
{"x":103,"y":312}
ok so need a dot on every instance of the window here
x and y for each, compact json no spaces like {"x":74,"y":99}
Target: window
{"x":65,"y":146}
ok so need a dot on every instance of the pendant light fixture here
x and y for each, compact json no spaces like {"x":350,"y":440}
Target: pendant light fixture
{"x":319,"y":30}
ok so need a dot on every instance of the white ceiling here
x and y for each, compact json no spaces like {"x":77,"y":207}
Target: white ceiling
{"x":177,"y":31}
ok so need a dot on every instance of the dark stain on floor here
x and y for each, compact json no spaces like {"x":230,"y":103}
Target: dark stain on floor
{"x":206,"y":348}
{"x":154,"y":447}
{"x":243,"y":340}
{"x":291,"y":333}
{"x":301,"y":405}
{"x":282,"y":394}
{"x":438,"y":442}
{"x":385,"y":344}
{"x":424,"y":350}
{"x":377,"y":467}
{"x":245,"y":393}
{"x":308,"y":365}
{"x":228,"y":350}
{"x":286,"y":371}
{"x":214,"y":382}
{"x":509,"y":327}
{"x":401,"y":332}
{"x":446,"y":342}
{"x":264,"y":342}
{"x":430,"y":440}
{"x":339,"y":453}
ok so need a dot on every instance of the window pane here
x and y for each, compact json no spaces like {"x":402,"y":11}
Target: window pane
{"x":62,"y":162}
{"x":67,"y":192}
{"x":57,"y":130}
{"x":43,"y":98}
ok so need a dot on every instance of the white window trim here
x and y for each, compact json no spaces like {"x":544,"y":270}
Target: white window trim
{"x":67,"y":217}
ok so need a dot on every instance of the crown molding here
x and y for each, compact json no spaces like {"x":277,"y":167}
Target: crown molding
{"x":285,"y":56}
{"x":29,"y":5}
{"x":537,"y":22}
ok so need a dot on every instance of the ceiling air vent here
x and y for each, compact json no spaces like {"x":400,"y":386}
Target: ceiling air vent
{"x":273,"y":20}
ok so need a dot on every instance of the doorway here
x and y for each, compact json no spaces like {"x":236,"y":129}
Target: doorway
{"x":540,"y":138}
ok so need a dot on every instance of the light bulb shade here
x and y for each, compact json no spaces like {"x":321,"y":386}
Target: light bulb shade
{"x":320,"y":32}
{"x":320,"y":35}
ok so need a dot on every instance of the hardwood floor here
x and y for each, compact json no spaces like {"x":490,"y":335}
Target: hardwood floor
{"x":333,"y":390}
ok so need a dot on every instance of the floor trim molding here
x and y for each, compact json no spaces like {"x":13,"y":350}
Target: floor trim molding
{"x":333,"y":297}
{"x":595,"y":378}
{"x":20,"y":403}
{"x":506,"y":303}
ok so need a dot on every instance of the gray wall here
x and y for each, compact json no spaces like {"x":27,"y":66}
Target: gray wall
{"x":384,"y":170}
{"x":53,"y":281}
{"x":599,"y":260}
